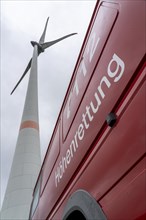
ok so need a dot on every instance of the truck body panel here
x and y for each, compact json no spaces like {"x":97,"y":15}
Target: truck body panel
{"x":85,"y":152}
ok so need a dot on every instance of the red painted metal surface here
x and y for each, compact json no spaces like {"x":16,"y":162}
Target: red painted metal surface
{"x":84,"y":152}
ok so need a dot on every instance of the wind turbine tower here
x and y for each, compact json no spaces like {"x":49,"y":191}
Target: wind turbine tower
{"x":27,"y":160}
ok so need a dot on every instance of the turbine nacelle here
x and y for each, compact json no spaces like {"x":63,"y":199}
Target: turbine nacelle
{"x":41,"y":46}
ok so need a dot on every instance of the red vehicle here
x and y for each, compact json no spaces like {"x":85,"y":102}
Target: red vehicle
{"x":94,"y":167}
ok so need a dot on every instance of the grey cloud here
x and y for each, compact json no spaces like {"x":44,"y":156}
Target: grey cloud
{"x":54,"y":70}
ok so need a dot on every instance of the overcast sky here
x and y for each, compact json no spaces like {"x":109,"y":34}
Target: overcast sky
{"x":21,"y":22}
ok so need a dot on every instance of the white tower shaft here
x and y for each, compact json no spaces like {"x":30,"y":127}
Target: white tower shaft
{"x":27,"y":160}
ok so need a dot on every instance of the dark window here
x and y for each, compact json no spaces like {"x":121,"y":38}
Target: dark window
{"x":35,"y":197}
{"x":90,"y":56}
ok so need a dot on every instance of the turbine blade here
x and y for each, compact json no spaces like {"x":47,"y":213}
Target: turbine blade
{"x":49,"y":44}
{"x":41,"y":41}
{"x":26,"y":70}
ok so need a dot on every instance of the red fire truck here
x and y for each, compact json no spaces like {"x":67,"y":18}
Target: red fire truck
{"x":94,"y":167}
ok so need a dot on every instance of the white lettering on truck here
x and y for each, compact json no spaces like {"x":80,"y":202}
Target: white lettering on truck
{"x":115,"y":71}
{"x":91,"y":48}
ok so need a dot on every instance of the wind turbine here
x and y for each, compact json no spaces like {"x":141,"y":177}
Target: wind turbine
{"x":27,"y":158}
{"x":41,"y":46}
